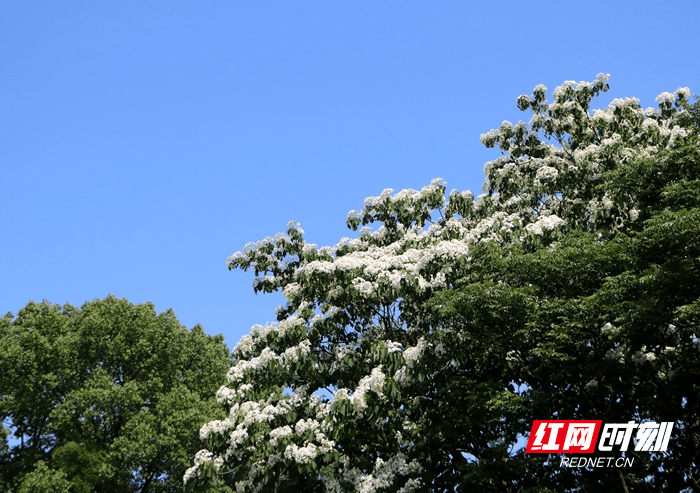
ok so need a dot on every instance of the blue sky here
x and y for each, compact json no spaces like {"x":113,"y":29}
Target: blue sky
{"x":142,"y":143}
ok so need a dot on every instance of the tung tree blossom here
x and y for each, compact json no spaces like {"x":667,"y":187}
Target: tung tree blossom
{"x":405,"y":358}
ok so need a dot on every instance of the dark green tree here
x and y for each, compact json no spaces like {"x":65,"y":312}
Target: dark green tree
{"x":106,"y":397}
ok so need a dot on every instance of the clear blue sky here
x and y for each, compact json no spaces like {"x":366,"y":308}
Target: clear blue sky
{"x":141,"y":143}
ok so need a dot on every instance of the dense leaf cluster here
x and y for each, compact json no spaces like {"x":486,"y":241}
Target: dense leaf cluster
{"x":106,"y":397}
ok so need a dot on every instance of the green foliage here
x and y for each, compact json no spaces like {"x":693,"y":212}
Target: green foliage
{"x":44,"y":480}
{"x":106,"y":397}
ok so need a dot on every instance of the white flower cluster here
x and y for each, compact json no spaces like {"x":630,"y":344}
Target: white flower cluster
{"x":293,"y":353}
{"x":413,"y":196}
{"x":545,"y":174}
{"x":278,"y":433}
{"x":674,"y":134}
{"x":412,"y":354}
{"x":581,"y":146}
{"x":544,"y":223}
{"x":291,"y":290}
{"x":302,"y":455}
{"x":246,"y":345}
{"x":237,"y":372}
{"x":201,"y":457}
{"x":616,"y":354}
{"x":609,"y":328}
{"x":310,"y":449}
{"x":384,"y":475}
{"x":393,"y":347}
{"x":666,"y":97}
{"x":643,"y":356}
{"x":373,"y":382}
{"x":394,"y":263}
{"x":561,"y":91}
{"x":258,"y":363}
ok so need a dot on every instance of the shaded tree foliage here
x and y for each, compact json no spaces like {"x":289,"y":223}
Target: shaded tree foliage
{"x":105,"y":397}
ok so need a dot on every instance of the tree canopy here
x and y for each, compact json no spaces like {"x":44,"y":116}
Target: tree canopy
{"x":415,"y":356}
{"x":106,"y":397}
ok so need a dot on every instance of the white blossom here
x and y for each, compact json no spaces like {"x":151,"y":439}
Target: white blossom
{"x":200,"y":458}
{"x":683,"y":92}
{"x":239,"y":435}
{"x":412,"y":355}
{"x":373,"y":382}
{"x":393,"y":347}
{"x":278,"y":433}
{"x":666,"y":97}
{"x":546,"y":173}
{"x":544,"y":223}
{"x":301,"y":454}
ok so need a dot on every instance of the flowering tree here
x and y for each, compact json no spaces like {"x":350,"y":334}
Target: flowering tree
{"x":415,"y":356}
